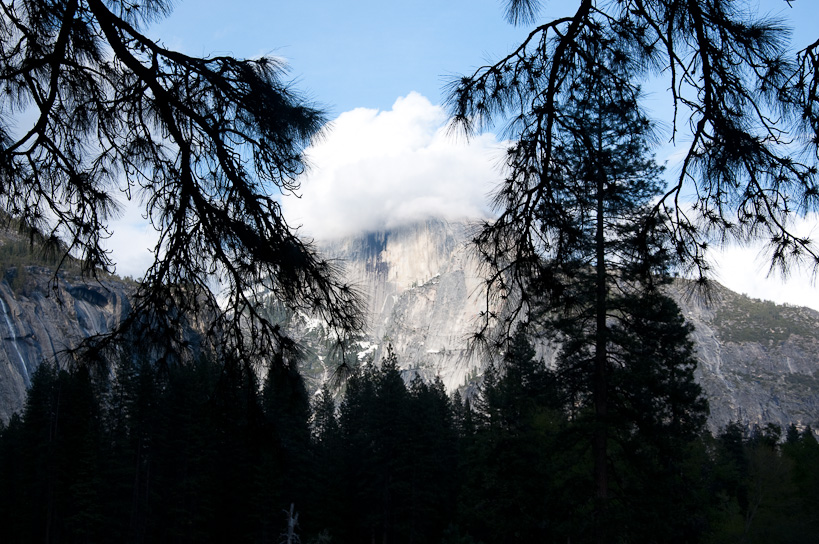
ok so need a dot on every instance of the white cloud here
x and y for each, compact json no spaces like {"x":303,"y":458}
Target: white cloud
{"x":744,"y":269}
{"x":378,"y":169}
{"x":372,"y":170}
{"x":132,"y":241}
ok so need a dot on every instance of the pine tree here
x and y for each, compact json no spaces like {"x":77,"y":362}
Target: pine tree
{"x":588,"y":269}
{"x":327,"y":482}
{"x":59,"y":462}
{"x":586,"y":232}
{"x":429,"y":455}
{"x":283,"y":477}
{"x":744,"y":105}
{"x":208,"y":145}
{"x":512,"y":464}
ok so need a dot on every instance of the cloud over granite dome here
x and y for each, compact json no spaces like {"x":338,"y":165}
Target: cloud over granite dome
{"x":377,"y":170}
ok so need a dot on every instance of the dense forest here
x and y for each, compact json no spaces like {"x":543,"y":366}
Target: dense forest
{"x":208,"y":452}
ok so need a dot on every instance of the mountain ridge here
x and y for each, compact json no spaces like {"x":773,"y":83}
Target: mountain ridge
{"x":758,"y":361}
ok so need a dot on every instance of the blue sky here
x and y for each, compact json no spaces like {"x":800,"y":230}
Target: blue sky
{"x":367,"y":53}
{"x":354,"y":54}
{"x":379,"y":70}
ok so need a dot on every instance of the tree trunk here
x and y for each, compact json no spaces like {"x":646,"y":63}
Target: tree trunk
{"x":600,"y":380}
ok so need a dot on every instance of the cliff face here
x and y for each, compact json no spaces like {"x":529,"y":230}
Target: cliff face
{"x":423,"y":293}
{"x":759,"y":362}
{"x":38,"y":322}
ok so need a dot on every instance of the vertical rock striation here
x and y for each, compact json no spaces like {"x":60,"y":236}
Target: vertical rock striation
{"x":759,"y":362}
{"x":39,"y":322}
{"x":424,"y":294}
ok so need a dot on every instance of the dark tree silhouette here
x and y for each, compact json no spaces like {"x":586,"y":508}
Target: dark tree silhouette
{"x":567,"y":242}
{"x":751,"y":109}
{"x":580,"y":250}
{"x":208,"y":145}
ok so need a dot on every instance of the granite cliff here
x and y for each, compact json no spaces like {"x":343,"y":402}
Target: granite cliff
{"x":38,"y":322}
{"x":424,"y":293}
{"x":759,"y":362}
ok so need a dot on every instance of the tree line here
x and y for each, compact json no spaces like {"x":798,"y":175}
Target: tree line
{"x":209,"y":452}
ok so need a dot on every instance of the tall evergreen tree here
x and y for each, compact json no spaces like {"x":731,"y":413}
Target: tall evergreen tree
{"x":55,"y":488}
{"x":430,"y":458}
{"x":758,"y":486}
{"x":328,"y":481}
{"x":510,"y":466}
{"x":590,"y":263}
{"x":743,"y":103}
{"x":397,"y":458}
{"x":283,"y":477}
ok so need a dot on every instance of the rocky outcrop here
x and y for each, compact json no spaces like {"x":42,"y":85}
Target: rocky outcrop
{"x":43,"y":319}
{"x":759,"y":362}
{"x":424,"y":294}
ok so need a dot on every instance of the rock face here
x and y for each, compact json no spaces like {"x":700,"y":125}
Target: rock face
{"x":424,"y":294}
{"x":38,"y":323}
{"x":759,"y":362}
